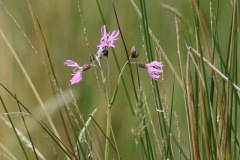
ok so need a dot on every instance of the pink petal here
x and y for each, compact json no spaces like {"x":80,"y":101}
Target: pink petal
{"x":77,"y":77}
{"x":112,"y":36}
{"x":155,"y":77}
{"x":71,"y":63}
{"x":104,"y":31}
{"x":107,"y":39}
{"x":154,"y":70}
{"x":156,"y":63}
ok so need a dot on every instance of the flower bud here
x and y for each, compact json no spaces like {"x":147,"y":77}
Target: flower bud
{"x":86,"y":67}
{"x":133,"y":52}
{"x":142,"y":64}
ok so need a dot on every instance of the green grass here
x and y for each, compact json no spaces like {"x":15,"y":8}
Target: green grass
{"x":117,"y":111}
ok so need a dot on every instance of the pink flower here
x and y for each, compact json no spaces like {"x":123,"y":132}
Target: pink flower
{"x":107,"y":40}
{"x":77,"y":70}
{"x":154,"y":69}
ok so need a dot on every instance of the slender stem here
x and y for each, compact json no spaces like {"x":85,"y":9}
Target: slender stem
{"x":109,"y":114}
{"x":108,"y":67}
{"x":104,"y":87}
{"x":118,"y":81}
{"x":103,"y":81}
{"x":108,"y":129}
{"x":109,"y":103}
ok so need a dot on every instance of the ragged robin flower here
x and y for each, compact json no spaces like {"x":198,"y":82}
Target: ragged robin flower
{"x":77,"y":70}
{"x":107,"y":40}
{"x":154,"y":68}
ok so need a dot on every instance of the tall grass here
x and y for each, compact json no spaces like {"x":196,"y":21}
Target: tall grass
{"x":117,"y":111}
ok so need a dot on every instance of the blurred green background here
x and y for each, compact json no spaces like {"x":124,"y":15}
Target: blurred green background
{"x":63,"y":30}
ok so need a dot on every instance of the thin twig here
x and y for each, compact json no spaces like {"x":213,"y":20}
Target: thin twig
{"x":214,"y":68}
{"x":20,"y":114}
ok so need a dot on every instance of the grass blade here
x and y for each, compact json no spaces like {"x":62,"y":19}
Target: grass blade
{"x":11,"y":125}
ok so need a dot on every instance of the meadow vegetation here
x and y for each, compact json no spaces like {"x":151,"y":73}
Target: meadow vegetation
{"x":111,"y":79}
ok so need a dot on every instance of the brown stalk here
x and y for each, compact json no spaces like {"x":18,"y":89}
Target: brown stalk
{"x":201,"y":22}
{"x":226,"y":142}
{"x":211,"y":110}
{"x":210,"y":65}
{"x":201,"y":81}
{"x":204,"y":120}
{"x":190,"y":99}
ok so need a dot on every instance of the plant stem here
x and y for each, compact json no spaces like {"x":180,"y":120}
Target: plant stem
{"x":118,"y":81}
{"x":109,"y":104}
{"x":109,"y":114}
{"x":103,"y":82}
{"x":108,"y":110}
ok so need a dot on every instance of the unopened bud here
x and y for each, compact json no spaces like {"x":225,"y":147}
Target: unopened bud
{"x":142,"y":64}
{"x":133,"y":52}
{"x":86,"y":67}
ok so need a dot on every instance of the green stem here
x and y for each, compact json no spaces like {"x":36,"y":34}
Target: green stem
{"x":109,"y":103}
{"x":103,"y":82}
{"x":109,"y":114}
{"x":108,"y":109}
{"x":118,"y":81}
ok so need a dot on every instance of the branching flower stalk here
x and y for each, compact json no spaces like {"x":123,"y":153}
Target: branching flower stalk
{"x":107,"y":41}
{"x":117,"y":84}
